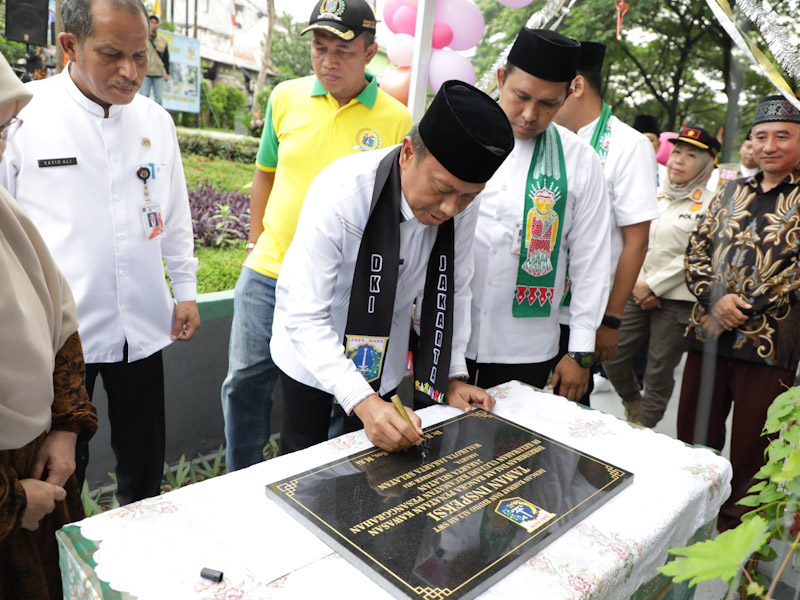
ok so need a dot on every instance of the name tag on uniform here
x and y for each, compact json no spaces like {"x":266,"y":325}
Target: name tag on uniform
{"x":57,"y":162}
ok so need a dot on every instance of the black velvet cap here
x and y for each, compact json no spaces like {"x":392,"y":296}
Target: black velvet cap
{"x":545,"y":54}
{"x":467,"y":132}
{"x":697,"y":136}
{"x":646,"y":124}
{"x":592,"y":55}
{"x":775,"y":108}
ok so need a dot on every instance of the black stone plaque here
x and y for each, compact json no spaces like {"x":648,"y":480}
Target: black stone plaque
{"x":487,"y":495}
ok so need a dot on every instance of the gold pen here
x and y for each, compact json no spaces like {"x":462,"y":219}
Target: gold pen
{"x":398,"y":404}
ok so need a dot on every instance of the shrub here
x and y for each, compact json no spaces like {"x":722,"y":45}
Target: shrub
{"x":243,"y":150}
{"x":219,"y":268}
{"x":226,"y":102}
{"x":219,"y":219}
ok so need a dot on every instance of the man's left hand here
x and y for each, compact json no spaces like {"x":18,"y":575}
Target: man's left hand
{"x":166,"y":76}
{"x":186,"y":321}
{"x":605,"y":344}
{"x":57,"y":456}
{"x":464,"y":396}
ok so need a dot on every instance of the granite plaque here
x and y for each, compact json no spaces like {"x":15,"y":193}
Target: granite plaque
{"x":485,"y":496}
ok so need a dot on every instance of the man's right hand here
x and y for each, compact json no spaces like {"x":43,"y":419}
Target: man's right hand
{"x":574,"y":379}
{"x":385,"y":427}
{"x":42,"y":498}
{"x":727,"y":311}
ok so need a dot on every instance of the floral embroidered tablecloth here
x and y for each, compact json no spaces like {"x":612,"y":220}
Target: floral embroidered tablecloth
{"x":154,"y":549}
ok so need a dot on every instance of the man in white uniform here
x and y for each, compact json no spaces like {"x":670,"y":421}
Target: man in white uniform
{"x":374,"y":229}
{"x":548,"y":196}
{"x":98,"y":159}
{"x":629,"y":165}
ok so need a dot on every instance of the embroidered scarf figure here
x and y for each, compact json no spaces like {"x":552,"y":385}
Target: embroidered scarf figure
{"x":369,"y":317}
{"x":601,"y":140}
{"x":542,"y":224}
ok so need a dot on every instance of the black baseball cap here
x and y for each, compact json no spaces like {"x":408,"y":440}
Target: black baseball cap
{"x":346,"y":19}
{"x":697,"y":136}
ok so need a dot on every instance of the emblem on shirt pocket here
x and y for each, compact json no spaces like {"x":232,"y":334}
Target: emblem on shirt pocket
{"x":366,"y":140}
{"x":525,"y":514}
{"x":367,"y":353}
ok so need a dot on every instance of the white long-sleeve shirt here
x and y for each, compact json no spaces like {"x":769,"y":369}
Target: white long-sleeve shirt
{"x":314,"y":285}
{"x":89,"y":213}
{"x":499,"y":337}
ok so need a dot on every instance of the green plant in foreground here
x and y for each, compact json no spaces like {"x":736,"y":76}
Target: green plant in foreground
{"x":775,"y":515}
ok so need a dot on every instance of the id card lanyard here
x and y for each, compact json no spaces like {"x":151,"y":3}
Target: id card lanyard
{"x":152,"y":221}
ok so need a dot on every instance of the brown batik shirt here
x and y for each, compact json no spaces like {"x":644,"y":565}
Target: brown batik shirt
{"x":749,"y":244}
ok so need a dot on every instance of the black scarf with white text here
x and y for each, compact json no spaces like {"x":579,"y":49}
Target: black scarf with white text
{"x":369,"y":317}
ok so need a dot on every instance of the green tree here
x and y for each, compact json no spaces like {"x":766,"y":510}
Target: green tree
{"x":291,"y":54}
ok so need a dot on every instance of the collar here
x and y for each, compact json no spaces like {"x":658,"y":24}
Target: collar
{"x":367,"y":96}
{"x":792,"y":178}
{"x":84,"y":102}
{"x":588,"y":130}
{"x":405,"y":209}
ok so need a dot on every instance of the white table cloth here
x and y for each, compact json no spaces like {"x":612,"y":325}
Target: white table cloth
{"x":154,"y":549}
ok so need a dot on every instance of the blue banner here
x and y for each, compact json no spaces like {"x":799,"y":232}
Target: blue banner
{"x":182,"y":91}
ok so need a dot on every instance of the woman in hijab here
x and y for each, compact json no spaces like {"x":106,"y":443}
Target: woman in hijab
{"x":661,"y":303}
{"x":44,"y":408}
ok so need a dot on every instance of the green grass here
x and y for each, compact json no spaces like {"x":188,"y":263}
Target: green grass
{"x":224,"y":175}
{"x":219,"y":268}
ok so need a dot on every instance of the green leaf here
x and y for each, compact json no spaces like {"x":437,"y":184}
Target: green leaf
{"x":781,"y":407}
{"x":719,"y":557}
{"x":794,"y":486}
{"x":792,"y":435}
{"x":757,"y":487}
{"x":791,"y":468}
{"x":778,"y":450}
{"x":767,"y":553}
{"x":755,"y":589}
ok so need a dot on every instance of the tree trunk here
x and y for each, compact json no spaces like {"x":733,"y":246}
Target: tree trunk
{"x":262,"y":74}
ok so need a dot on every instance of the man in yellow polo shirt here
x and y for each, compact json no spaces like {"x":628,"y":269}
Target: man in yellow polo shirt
{"x":310,"y":122}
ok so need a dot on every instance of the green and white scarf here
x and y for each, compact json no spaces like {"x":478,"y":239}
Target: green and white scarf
{"x":542,"y":224}
{"x":601,"y":140}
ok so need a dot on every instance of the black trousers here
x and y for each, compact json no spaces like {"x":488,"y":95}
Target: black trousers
{"x":138,"y":434}
{"x":488,"y":375}
{"x":306,"y":415}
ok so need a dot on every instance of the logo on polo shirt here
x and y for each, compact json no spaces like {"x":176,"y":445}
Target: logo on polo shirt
{"x":523,"y":513}
{"x":332,"y":9}
{"x":366,"y":140}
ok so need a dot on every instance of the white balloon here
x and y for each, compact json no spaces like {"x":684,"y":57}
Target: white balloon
{"x":446,"y":65}
{"x":400,"y":49}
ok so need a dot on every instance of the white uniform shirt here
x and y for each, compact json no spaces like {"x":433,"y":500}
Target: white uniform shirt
{"x":89,"y":213}
{"x":313,"y":289}
{"x":631,"y":176}
{"x":497,"y":336}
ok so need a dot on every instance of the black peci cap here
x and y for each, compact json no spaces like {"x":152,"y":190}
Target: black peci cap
{"x":591,"y":57}
{"x":346,"y":19}
{"x":467,"y":132}
{"x":646,"y":124}
{"x":776,"y":108}
{"x":697,"y":136}
{"x":545,"y":54}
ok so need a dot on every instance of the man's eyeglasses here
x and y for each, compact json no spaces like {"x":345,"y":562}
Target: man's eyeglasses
{"x":7,"y":129}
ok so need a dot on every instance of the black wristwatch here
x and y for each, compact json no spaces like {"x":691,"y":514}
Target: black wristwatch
{"x":611,"y":321}
{"x":584,"y":359}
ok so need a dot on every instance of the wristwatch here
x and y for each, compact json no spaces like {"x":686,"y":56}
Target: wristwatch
{"x":584,"y":359}
{"x":249,"y":246}
{"x":611,"y":321}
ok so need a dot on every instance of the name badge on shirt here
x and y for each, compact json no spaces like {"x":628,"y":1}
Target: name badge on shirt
{"x":57,"y":162}
{"x":153,"y":221}
{"x":516,"y":241}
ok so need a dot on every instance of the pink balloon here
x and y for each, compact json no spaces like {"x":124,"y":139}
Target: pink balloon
{"x":389,"y":9}
{"x":515,"y":3}
{"x":442,"y":35}
{"x":405,"y":19}
{"x":400,"y":49}
{"x":665,"y":148}
{"x":446,"y":65}
{"x":465,"y":20}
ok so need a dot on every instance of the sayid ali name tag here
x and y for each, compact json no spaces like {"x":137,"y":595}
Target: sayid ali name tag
{"x":57,"y":162}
